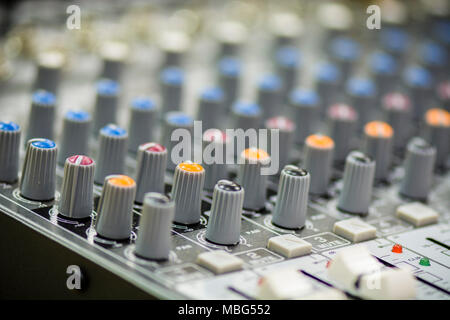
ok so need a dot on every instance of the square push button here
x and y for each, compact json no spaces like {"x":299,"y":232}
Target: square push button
{"x":219,"y":261}
{"x":355,"y":230}
{"x":417,"y":213}
{"x":289,"y":246}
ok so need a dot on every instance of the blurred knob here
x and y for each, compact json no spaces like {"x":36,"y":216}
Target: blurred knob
{"x":304,"y":105}
{"x":328,"y":79}
{"x":345,"y":52}
{"x":115,"y":207}
{"x":150,"y":169}
{"x":437,"y":132}
{"x":171,"y":86}
{"x":114,"y":55}
{"x":75,"y":135}
{"x":172,"y":121}
{"x":292,"y":198}
{"x":214,"y":144}
{"x":42,"y":115}
{"x":287,"y":62}
{"x":187,"y":191}
{"x":49,"y":67}
{"x":269,"y":96}
{"x":419,"y":83}
{"x":318,"y":160}
{"x":38,"y":179}
{"x":211,"y":109}
{"x":224,"y":224}
{"x":362,"y":93}
{"x":77,"y":199}
{"x":105,"y":110}
{"x":9,"y":151}
{"x":418,"y":165}
{"x":358,"y":178}
{"x":112,"y":151}
{"x":155,"y":226}
{"x":142,"y":122}
{"x":231,"y":35}
{"x":398,"y":113}
{"x":286,"y":129}
{"x":229,"y":75}
{"x":342,"y":124}
{"x":384,"y":69}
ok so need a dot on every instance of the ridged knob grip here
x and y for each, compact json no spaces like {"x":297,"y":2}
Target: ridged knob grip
{"x":151,"y":168}
{"x":187,"y":191}
{"x":304,"y":107}
{"x":224,"y":225}
{"x":171,"y":83}
{"x":75,"y":135}
{"x":292,"y":198}
{"x":115,"y":207}
{"x":77,"y":199}
{"x":9,"y":151}
{"x":358,"y":180}
{"x":154,"y":236}
{"x":418,"y":165}
{"x":112,"y":152}
{"x":38,"y":179}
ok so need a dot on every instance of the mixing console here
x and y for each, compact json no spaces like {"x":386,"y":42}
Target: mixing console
{"x":334,"y":183}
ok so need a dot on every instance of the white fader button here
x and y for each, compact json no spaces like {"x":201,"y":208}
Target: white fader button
{"x":355,"y":230}
{"x":219,"y":261}
{"x":356,"y":270}
{"x":289,"y":246}
{"x":283,"y":284}
{"x":417,"y":213}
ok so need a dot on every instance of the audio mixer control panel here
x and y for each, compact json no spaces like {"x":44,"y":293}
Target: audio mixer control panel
{"x":95,"y":171}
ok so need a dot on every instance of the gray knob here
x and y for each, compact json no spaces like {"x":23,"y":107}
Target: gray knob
{"x":142,"y":122}
{"x":292,"y":198}
{"x":115,"y":207}
{"x":211,"y":108}
{"x":398,"y":113}
{"x":173,"y":121}
{"x":42,"y":115}
{"x":111,"y":153}
{"x":328,"y":80}
{"x":287,"y":62}
{"x":419,"y":83}
{"x":318,"y":161}
{"x":230,"y":79}
{"x":286,"y":130}
{"x":342,"y":121}
{"x":187,"y":191}
{"x":224,"y":224}
{"x":250,"y":177}
{"x":246,"y":115}
{"x":77,"y":199}
{"x":114,"y":55}
{"x":171,"y":86}
{"x":49,"y":67}
{"x":106,"y":104}
{"x":155,"y":226}
{"x":75,"y":135}
{"x":358,"y":180}
{"x":437,"y":132}
{"x":150,"y":170}
{"x":231,"y":35}
{"x":214,"y":144}
{"x":9,"y":151}
{"x":174,"y":45}
{"x":418,"y":165}
{"x":377,"y":144}
{"x":345,"y":52}
{"x":304,"y":106}
{"x":269,"y":96}
{"x":362,"y":94}
{"x":384,"y":69}
{"x":38,"y":179}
